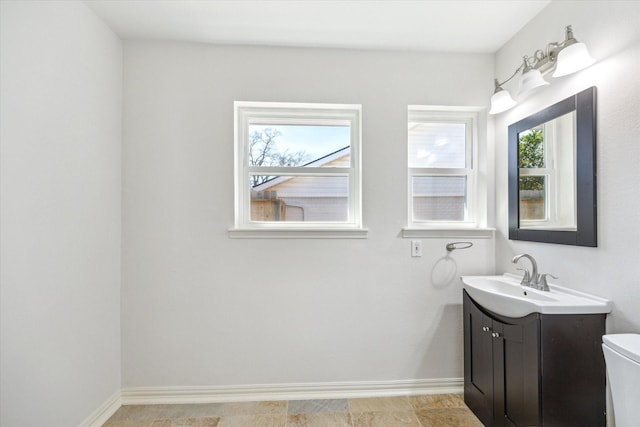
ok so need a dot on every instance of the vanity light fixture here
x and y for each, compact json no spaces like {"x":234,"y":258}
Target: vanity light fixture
{"x":567,"y":57}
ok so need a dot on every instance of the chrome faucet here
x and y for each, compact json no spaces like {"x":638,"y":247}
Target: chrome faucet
{"x":532,"y":280}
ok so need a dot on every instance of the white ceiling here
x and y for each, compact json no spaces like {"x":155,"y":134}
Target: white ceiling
{"x":481,"y":26}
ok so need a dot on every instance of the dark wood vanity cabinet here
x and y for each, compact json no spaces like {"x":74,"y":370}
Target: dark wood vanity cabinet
{"x":538,"y":370}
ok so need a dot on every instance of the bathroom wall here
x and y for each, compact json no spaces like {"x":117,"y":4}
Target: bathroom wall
{"x":61,"y":96}
{"x":611,"y":31}
{"x":201,"y":309}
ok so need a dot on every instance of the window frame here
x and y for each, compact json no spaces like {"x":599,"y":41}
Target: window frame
{"x":430,"y":114}
{"x":246,"y":113}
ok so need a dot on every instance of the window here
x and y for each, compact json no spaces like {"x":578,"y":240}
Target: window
{"x":442,"y":176}
{"x":297,"y":169}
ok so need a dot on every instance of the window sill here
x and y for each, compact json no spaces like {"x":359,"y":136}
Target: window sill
{"x":456,"y":233}
{"x":307,"y":233}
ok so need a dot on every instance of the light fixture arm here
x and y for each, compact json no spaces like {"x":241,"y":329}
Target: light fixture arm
{"x":528,"y":63}
{"x":498,"y":85}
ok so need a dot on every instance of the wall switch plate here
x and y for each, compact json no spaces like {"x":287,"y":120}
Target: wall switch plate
{"x":416,"y":248}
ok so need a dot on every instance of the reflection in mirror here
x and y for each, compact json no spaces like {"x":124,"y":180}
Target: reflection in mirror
{"x":546,"y":184}
{"x":552,"y":173}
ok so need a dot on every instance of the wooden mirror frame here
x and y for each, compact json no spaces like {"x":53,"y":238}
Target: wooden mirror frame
{"x":584,"y":104}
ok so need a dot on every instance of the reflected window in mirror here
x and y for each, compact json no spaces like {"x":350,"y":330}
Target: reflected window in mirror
{"x":546,"y":167}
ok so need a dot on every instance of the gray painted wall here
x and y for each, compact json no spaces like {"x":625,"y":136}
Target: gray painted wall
{"x":61,"y":103}
{"x":202,"y":309}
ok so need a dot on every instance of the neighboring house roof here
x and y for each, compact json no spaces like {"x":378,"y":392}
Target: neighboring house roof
{"x":335,"y":157}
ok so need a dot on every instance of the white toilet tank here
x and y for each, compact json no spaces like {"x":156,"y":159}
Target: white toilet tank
{"x":622,"y":356}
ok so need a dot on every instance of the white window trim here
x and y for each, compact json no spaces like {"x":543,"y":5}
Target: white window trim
{"x":303,"y":113}
{"x":475,"y":225}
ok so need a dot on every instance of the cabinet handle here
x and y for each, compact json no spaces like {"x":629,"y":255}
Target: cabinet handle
{"x":486,"y":328}
{"x":495,"y":334}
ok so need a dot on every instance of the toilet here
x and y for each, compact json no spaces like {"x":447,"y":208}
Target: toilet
{"x":622,"y":357}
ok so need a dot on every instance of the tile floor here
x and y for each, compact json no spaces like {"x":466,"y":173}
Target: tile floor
{"x":438,"y":410}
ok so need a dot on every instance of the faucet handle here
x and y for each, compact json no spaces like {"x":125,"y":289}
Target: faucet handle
{"x":543,"y":281}
{"x":526,"y":279}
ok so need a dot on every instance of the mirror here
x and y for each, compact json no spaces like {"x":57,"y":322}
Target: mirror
{"x":552,"y":183}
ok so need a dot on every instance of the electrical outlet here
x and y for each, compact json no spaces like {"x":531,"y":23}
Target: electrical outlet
{"x":416,"y":248}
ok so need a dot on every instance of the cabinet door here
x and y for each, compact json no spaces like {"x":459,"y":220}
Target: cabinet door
{"x":516,"y":367}
{"x":478,"y":362}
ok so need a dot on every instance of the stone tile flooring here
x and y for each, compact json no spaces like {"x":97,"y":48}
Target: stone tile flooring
{"x":438,"y":410}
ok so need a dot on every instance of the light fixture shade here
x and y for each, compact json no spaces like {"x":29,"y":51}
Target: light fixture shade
{"x":572,"y":58}
{"x":501,"y":101}
{"x":530,"y":80}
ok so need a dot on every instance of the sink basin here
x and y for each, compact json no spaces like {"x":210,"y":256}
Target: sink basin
{"x":505,"y":296}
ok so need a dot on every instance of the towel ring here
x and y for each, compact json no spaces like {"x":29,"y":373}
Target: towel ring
{"x":458,"y":245}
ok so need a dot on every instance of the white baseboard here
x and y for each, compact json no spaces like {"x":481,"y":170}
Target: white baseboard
{"x":104,"y":411}
{"x":173,"y":395}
